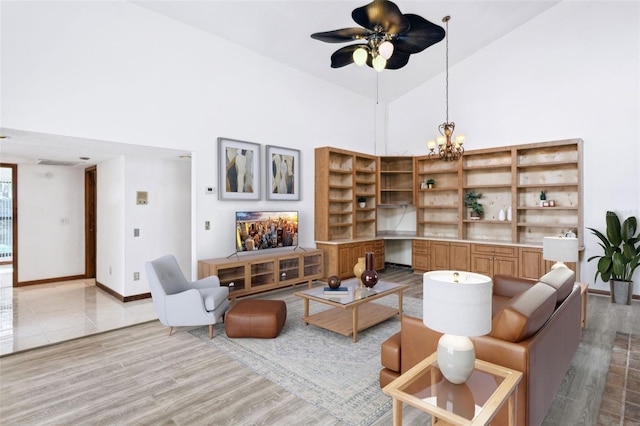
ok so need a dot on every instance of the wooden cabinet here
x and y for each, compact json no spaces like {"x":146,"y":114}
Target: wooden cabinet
{"x":340,"y":178}
{"x":395,"y":181}
{"x":254,"y":273}
{"x":532,"y":265}
{"x":493,"y":260}
{"x":340,"y":258}
{"x":447,"y":255}
{"x":420,"y":256}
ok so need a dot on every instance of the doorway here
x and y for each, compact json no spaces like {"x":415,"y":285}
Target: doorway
{"x":8,"y":225}
{"x":90,"y":207}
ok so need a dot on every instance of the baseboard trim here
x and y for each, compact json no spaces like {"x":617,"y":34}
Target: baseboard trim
{"x":50,"y":280}
{"x":608,"y":293}
{"x":120,"y":297}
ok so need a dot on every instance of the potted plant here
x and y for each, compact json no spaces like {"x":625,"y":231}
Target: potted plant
{"x":471,"y":200}
{"x":430,"y":183}
{"x":362,"y":202}
{"x":621,"y":256}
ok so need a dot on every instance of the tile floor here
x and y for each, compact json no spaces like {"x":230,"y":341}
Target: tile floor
{"x":39,"y":315}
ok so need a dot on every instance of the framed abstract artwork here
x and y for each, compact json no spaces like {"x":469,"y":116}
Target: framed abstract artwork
{"x":282,"y":173}
{"x":239,"y":170}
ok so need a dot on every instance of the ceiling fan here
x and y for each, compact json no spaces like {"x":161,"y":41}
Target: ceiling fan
{"x":389,"y":37}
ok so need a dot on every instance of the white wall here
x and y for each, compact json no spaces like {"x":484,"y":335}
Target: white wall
{"x":573,"y":71}
{"x":50,"y":222}
{"x":110,"y":227}
{"x":164,"y":223}
{"x":114,"y":71}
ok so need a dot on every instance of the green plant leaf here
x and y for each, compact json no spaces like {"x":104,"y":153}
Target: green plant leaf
{"x":613,"y":228}
{"x":629,"y":227}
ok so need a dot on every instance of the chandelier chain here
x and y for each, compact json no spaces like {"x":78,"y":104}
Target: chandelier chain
{"x":447,"y":69}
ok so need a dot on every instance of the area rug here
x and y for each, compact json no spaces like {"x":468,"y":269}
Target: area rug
{"x":326,"y":369}
{"x":621,"y":399}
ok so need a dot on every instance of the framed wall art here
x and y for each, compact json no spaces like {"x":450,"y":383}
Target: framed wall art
{"x":239,"y":170}
{"x":282,"y":173}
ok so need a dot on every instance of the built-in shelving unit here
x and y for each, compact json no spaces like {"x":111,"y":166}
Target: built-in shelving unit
{"x":437,"y":208}
{"x":395,"y":176}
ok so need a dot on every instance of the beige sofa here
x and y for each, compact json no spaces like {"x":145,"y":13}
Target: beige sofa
{"x":536,"y":329}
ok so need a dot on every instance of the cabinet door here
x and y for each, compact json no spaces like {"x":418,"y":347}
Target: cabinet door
{"x":482,"y":264}
{"x":288,"y":269}
{"x":530,"y":263}
{"x":505,"y":266}
{"x":312,"y":265}
{"x":459,"y":256}
{"x":439,"y":255}
{"x":347,"y":258}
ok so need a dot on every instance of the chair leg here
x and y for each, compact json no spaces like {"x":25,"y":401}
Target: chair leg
{"x":170,"y":330}
{"x":210,"y":331}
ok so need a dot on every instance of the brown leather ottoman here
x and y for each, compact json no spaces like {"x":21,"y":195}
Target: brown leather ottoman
{"x":256,"y":318}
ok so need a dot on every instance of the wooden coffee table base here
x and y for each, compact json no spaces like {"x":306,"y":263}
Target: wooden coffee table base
{"x":361,"y":316}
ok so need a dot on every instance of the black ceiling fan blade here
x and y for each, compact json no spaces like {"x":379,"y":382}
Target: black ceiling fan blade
{"x":341,"y":36}
{"x":344,"y":55}
{"x":422,"y":34}
{"x":398,"y":60}
{"x":383,"y":13}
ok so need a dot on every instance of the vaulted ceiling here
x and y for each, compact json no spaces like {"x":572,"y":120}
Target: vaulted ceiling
{"x":280,"y":30}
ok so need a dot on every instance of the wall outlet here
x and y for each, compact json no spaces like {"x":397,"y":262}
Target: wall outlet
{"x":136,"y":276}
{"x":207,"y":225}
{"x":210,"y":190}
{"x":136,"y":232}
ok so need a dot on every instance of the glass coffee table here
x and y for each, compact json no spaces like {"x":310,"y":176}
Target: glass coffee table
{"x":475,"y":402}
{"x":353,"y":312}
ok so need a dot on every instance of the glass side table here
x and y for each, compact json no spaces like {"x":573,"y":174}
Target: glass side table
{"x":475,"y":402}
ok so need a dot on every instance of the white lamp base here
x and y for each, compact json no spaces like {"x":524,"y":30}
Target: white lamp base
{"x":456,"y":357}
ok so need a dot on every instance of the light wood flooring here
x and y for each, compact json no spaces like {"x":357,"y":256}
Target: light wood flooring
{"x":139,"y":375}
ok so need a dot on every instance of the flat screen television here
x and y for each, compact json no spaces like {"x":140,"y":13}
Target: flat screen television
{"x":263,"y":230}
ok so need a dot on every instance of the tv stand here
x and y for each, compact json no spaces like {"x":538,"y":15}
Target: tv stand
{"x":255,"y":273}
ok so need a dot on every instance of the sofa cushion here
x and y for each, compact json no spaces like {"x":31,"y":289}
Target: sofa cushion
{"x":525,"y":314}
{"x":562,"y":280}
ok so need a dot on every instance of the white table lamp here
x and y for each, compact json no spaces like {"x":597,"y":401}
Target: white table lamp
{"x":459,"y":305}
{"x":560,"y":250}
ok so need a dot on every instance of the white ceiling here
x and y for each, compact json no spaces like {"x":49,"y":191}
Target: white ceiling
{"x":281,"y":31}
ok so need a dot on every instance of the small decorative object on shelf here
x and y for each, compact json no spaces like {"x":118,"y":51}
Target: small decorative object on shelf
{"x":369,"y":276}
{"x":358,"y":269}
{"x":362,"y":202}
{"x":509,"y":214}
{"x":471,"y":200}
{"x":334,"y":281}
{"x":431,"y":183}
{"x":502,"y":216}
{"x":543,"y":199}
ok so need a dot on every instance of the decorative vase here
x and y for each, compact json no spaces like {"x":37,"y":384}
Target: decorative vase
{"x":501,"y":215}
{"x":358,"y":269}
{"x":509,"y":215}
{"x":369,"y":276}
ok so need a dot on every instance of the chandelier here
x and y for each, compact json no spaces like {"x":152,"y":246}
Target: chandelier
{"x":447,"y":149}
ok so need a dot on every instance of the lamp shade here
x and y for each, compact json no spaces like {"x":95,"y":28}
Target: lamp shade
{"x":560,"y":249}
{"x":460,"y":309}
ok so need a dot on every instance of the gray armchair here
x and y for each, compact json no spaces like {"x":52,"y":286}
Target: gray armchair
{"x":179,"y":302}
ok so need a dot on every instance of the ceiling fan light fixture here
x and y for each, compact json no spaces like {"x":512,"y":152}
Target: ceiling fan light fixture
{"x":360,"y":56}
{"x":386,"y":49}
{"x":379,"y":63}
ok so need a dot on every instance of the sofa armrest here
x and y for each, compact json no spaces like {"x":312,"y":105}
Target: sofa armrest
{"x":390,"y":353}
{"x":507,"y":286}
